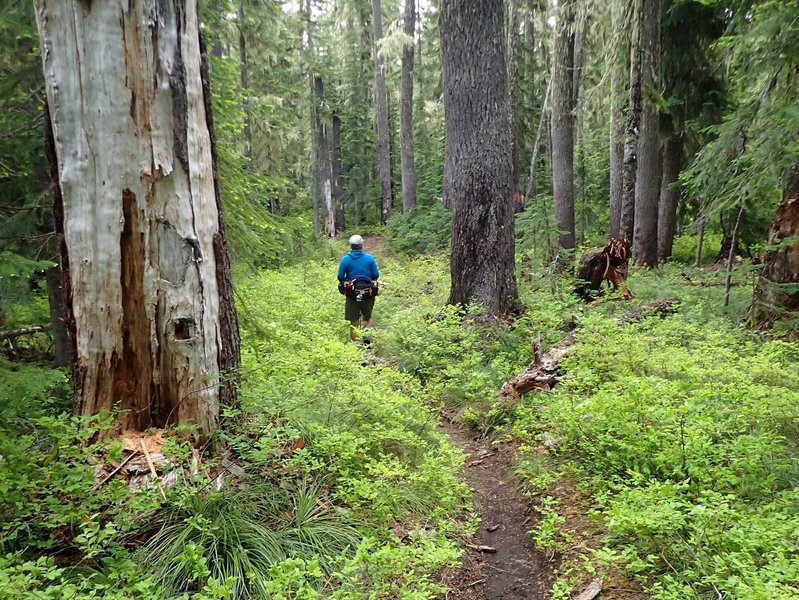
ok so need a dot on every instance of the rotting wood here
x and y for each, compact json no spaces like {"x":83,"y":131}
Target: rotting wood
{"x":542,"y":373}
{"x":110,"y":476}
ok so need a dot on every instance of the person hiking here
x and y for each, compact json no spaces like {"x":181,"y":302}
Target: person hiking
{"x":357,"y":280}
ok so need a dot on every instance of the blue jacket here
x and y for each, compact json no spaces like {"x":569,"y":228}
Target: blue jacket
{"x":357,"y":265}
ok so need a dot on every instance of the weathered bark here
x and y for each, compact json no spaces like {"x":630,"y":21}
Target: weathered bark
{"x":621,"y":57}
{"x":325,"y":170}
{"x":647,"y":177}
{"x":141,"y":222}
{"x":55,"y":296}
{"x":381,"y":116}
{"x":229,"y":345}
{"x":563,"y":125}
{"x":669,"y":195}
{"x":477,"y":165}
{"x":776,"y":292}
{"x":335,"y":156}
{"x":635,"y":99}
{"x":407,"y":166}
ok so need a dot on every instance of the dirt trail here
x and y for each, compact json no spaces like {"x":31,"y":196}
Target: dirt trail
{"x":516,"y":570}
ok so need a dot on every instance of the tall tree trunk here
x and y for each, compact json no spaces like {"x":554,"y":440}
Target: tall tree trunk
{"x":406,"y":112}
{"x":669,"y":195}
{"x":563,"y":125}
{"x":335,"y":156}
{"x":477,"y":160}
{"x":578,"y":116}
{"x":316,"y":190}
{"x":325,"y":171}
{"x":700,"y":241}
{"x":647,"y":177}
{"x":777,"y":291}
{"x":381,"y":106}
{"x":512,"y":62}
{"x":635,"y":99}
{"x":620,"y":59}
{"x":150,"y":300}
{"x":245,"y":89}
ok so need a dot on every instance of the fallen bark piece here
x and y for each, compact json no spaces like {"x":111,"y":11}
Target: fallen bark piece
{"x":591,"y":591}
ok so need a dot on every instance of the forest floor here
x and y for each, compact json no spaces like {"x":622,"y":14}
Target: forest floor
{"x":500,"y":562}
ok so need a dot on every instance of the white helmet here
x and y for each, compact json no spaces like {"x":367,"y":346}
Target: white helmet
{"x":356,"y":240}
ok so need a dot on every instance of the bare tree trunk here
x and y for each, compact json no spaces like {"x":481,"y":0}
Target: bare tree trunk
{"x":477,"y":167}
{"x":647,"y":177}
{"x":731,"y":256}
{"x":669,"y":195}
{"x":776,"y":292}
{"x":335,"y":156}
{"x":150,"y":301}
{"x":316,"y":190}
{"x":630,"y":161}
{"x":512,"y":62}
{"x":621,"y":57}
{"x":700,"y":239}
{"x":578,"y":114}
{"x":381,"y":105}
{"x":245,"y":89}
{"x":530,"y":191}
{"x":325,"y":171}
{"x":563,"y":125}
{"x":406,"y":112}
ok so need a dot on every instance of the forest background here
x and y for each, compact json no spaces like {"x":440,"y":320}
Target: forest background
{"x":329,"y":117}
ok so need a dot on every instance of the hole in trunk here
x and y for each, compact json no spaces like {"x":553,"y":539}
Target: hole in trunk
{"x":184,"y":329}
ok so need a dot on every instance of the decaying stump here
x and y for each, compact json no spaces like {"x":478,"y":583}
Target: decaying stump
{"x":608,"y":264}
{"x":542,"y":373}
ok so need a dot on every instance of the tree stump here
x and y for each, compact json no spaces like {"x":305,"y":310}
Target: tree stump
{"x":608,"y":264}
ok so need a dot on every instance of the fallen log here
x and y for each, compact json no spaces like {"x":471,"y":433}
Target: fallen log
{"x":15,"y":333}
{"x":542,"y":373}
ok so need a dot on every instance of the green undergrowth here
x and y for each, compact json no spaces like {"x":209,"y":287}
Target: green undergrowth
{"x":348,"y":490}
{"x":683,"y":429}
{"x":685,"y":432}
